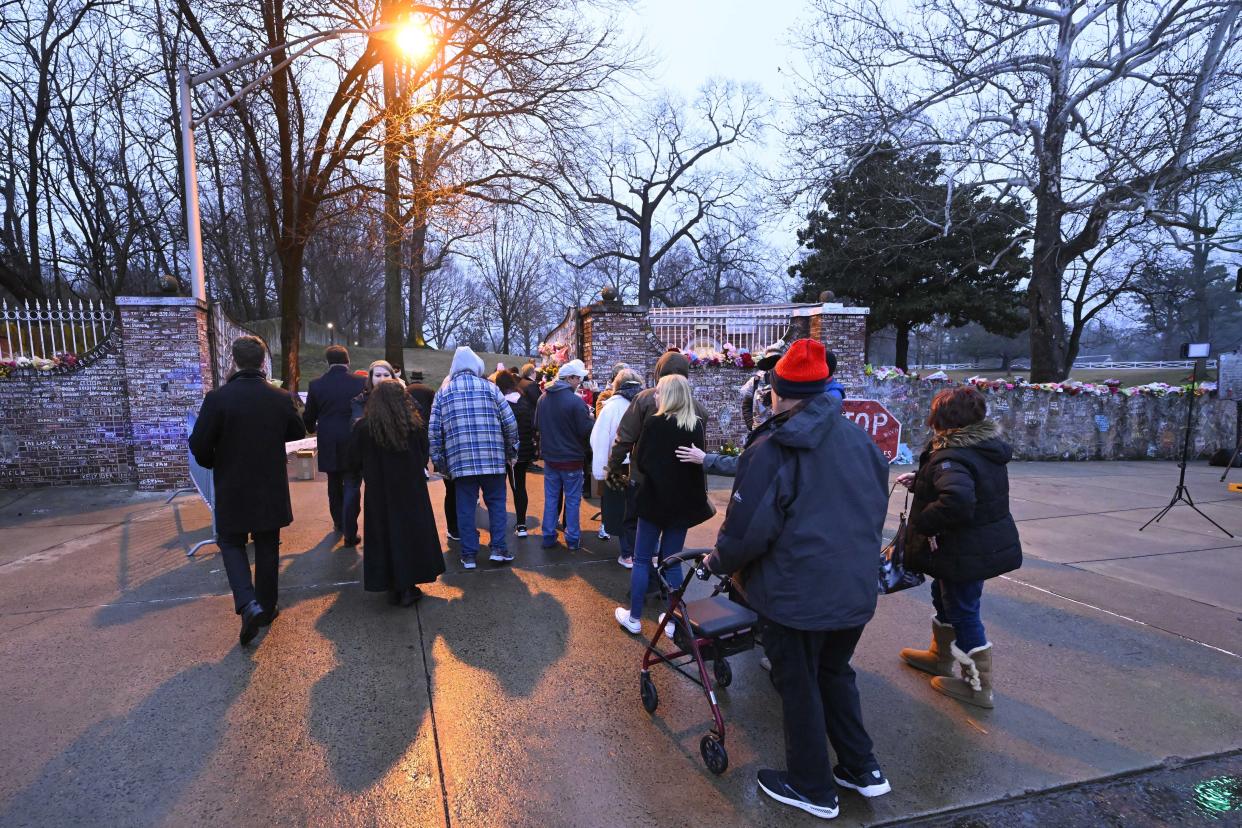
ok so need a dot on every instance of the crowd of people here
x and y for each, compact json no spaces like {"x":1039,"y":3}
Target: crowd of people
{"x":800,"y":537}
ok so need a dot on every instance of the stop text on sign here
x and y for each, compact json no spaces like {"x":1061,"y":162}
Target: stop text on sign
{"x":872,"y":417}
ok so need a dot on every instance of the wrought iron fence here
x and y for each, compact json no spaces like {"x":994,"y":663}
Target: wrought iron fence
{"x":46,"y":330}
{"x":706,"y":330}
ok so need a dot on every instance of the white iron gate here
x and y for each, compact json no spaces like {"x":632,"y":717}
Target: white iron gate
{"x":46,"y":330}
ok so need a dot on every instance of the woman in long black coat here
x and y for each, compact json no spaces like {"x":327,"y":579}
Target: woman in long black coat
{"x":390,"y":447}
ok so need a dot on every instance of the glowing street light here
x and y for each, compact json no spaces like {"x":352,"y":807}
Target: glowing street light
{"x":414,"y":38}
{"x":331,"y":334}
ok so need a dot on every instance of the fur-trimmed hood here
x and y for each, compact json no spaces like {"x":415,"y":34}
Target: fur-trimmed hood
{"x":983,"y":437}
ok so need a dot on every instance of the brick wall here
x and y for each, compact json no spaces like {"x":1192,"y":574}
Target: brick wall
{"x":612,"y":333}
{"x":168,"y":371}
{"x":66,"y":428}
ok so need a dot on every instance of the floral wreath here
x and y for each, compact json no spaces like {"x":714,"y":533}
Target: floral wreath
{"x":727,"y":356}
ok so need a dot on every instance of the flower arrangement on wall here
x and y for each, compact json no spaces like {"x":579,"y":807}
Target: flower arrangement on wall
{"x":554,"y":355}
{"x":58,"y":363}
{"x":1071,"y":388}
{"x":728,"y":356}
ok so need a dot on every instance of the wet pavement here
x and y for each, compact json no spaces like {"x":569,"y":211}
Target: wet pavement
{"x":509,"y":696}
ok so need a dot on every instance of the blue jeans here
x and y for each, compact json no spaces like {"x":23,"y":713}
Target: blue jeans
{"x":957,"y":603}
{"x":557,"y":482}
{"x":650,"y":538}
{"x":493,"y":486}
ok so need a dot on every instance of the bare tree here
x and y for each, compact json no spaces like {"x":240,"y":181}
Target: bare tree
{"x":512,"y":261}
{"x":1088,"y":109}
{"x":658,"y":181}
{"x":451,"y":299}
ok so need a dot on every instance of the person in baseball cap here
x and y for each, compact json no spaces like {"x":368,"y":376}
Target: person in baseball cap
{"x":756,"y":392}
{"x":800,"y":539}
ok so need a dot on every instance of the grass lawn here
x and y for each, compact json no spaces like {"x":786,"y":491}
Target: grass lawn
{"x":434,"y":364}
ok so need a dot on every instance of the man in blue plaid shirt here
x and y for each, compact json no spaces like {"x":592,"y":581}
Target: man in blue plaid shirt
{"x":474,"y":436}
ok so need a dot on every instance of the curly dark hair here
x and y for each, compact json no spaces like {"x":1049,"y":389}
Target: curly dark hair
{"x":957,"y":408}
{"x":391,"y":416}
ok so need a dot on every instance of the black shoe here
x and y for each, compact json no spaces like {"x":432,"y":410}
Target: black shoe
{"x":394,"y":597}
{"x":252,"y":617}
{"x":409,"y":597}
{"x":774,"y":784}
{"x":354,"y":541}
{"x":269,"y":616}
{"x":869,"y":783}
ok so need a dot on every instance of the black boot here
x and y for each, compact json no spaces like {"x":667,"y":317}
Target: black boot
{"x":409,"y":597}
{"x":252,"y":619}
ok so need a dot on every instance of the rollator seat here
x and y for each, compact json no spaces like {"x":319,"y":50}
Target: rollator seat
{"x":717,"y":616}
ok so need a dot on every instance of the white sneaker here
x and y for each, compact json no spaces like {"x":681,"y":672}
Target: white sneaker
{"x":669,"y":628}
{"x":765,"y":663}
{"x":627,"y":623}
{"x":467,"y":563}
{"x":628,"y":563}
{"x":500,"y":557}
{"x":602,"y":535}
{"x":521,"y":531}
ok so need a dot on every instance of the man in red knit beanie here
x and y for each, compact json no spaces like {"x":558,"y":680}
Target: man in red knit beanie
{"x":801,"y":537}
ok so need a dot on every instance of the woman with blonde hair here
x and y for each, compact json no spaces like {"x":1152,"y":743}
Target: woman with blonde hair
{"x":672,"y":496}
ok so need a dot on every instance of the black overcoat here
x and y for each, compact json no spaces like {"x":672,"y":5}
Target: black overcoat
{"x":671,"y":494}
{"x":240,"y":435}
{"x":961,"y":497}
{"x":402,"y":545}
{"x":329,"y":406}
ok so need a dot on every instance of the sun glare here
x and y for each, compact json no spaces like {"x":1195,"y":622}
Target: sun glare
{"x":414,"y":39}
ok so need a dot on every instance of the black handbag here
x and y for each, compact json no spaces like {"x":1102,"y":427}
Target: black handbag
{"x":894,"y":577}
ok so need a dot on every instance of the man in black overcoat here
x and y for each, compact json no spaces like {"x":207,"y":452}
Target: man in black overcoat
{"x":328,"y":417}
{"x":240,"y":435}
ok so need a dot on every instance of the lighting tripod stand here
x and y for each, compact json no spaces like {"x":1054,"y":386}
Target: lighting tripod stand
{"x":1182,"y":494}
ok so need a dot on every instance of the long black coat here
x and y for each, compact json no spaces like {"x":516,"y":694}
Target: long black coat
{"x":328,"y":414}
{"x":240,"y":435}
{"x":671,"y":494}
{"x":402,"y":546}
{"x":961,"y":497}
{"x":524,"y":414}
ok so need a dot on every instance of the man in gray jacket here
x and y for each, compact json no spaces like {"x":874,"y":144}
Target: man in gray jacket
{"x":803,"y":535}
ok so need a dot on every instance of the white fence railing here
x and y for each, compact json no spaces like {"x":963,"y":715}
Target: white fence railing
{"x":45,"y":330}
{"x":706,"y":330}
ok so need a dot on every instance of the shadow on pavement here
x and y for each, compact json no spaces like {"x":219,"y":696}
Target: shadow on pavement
{"x":165,"y":741}
{"x":506,"y":629}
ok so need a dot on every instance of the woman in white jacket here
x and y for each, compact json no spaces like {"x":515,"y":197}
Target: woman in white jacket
{"x":625,"y":386}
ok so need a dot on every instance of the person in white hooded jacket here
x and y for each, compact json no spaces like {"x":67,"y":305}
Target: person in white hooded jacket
{"x":625,"y":386}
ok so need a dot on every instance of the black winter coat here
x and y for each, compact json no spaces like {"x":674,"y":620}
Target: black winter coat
{"x":402,"y":546}
{"x":422,"y":395}
{"x":804,"y":526}
{"x":524,"y":413}
{"x":240,"y":435}
{"x":329,"y":405}
{"x":671,"y":494}
{"x":961,"y":497}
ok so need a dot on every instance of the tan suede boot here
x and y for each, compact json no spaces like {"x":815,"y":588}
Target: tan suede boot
{"x":975,"y":685}
{"x":936,"y":659}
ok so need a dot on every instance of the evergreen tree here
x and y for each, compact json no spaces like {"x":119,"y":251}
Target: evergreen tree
{"x":890,"y":236}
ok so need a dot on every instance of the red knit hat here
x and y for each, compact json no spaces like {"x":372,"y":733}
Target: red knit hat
{"x":802,"y":371}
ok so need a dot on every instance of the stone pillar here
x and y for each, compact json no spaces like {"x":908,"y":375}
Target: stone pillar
{"x":612,"y":333}
{"x":843,"y":330}
{"x":167,"y":372}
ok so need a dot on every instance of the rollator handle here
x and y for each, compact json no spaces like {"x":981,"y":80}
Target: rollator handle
{"x":685,"y":556}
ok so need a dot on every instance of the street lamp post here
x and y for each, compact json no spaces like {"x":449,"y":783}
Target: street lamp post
{"x":406,"y":39}
{"x":331,"y":334}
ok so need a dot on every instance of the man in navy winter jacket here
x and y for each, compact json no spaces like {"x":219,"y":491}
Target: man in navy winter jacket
{"x":328,"y":415}
{"x":563,"y":422}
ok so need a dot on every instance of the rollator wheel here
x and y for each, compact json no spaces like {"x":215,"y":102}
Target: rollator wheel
{"x":714,"y":754}
{"x":723,"y":671}
{"x":651,"y":699}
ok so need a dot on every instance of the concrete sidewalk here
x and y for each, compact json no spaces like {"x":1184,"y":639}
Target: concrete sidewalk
{"x":510,"y":697}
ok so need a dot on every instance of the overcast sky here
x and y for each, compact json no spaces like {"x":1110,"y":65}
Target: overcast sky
{"x":700,"y":39}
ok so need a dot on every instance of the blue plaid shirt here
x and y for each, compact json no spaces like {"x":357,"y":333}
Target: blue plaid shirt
{"x":472,"y":428}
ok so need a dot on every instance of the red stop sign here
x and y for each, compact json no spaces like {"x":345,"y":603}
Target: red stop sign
{"x":877,"y":421}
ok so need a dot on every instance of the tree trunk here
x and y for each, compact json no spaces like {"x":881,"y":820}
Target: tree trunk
{"x":644,"y":257}
{"x":903,"y":346}
{"x":417,"y":264}
{"x":1048,"y":334}
{"x":291,"y":322}
{"x":393,"y":312}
